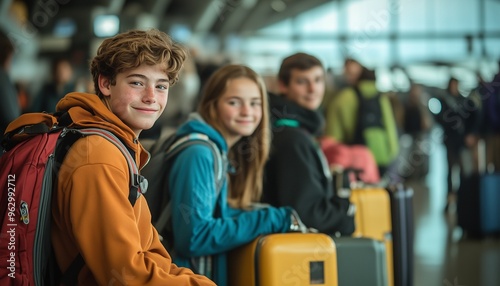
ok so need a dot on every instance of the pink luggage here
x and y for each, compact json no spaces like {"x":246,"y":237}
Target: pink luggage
{"x":354,"y":157}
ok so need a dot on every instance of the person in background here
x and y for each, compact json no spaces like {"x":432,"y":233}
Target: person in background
{"x":9,"y":107}
{"x":343,"y":120}
{"x":297,"y":173}
{"x":457,"y":118}
{"x":350,"y":75}
{"x":416,"y":125}
{"x":92,"y":216}
{"x":60,"y":84}
{"x":233,"y":113}
{"x":23,"y":95}
{"x":489,"y":123}
{"x":416,"y":115}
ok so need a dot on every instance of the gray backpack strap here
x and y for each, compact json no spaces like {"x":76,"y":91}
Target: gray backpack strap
{"x":219,"y":168}
{"x":138,"y":183}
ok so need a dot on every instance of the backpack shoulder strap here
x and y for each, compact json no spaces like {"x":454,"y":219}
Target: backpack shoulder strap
{"x":357,"y":91}
{"x":195,"y":138}
{"x":138,"y":184}
{"x":358,"y":137}
{"x":219,"y":169}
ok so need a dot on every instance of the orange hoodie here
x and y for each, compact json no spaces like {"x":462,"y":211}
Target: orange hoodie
{"x":93,"y":216}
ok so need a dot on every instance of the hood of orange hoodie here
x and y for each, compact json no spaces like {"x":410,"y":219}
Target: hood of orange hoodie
{"x":88,"y":110}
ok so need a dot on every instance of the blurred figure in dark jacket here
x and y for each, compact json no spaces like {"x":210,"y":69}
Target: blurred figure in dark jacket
{"x":416,"y":124}
{"x":60,"y":84}
{"x":9,"y":107}
{"x":458,"y":118}
{"x":489,"y":126}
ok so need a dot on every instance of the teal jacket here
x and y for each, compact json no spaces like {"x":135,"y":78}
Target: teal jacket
{"x":203,"y":223}
{"x":341,"y":120}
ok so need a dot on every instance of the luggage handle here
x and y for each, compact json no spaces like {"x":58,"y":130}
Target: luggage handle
{"x":353,"y":176}
{"x":481,"y":156}
{"x":479,"y":164}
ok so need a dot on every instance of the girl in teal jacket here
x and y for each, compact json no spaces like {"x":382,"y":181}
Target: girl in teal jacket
{"x":233,"y":114}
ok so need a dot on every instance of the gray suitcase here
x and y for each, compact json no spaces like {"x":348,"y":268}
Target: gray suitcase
{"x":361,"y":261}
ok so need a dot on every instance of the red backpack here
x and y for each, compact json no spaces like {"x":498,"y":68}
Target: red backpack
{"x":28,"y":174}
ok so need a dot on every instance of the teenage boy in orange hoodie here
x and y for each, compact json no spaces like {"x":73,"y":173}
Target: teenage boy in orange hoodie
{"x":91,"y":212}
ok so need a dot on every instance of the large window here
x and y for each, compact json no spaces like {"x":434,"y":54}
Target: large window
{"x":284,"y":29}
{"x":491,"y":16}
{"x":493,"y":48}
{"x":413,"y":16}
{"x":422,"y":35}
{"x":460,"y":16}
{"x":324,"y":19}
{"x":370,"y":17}
{"x":371,"y":52}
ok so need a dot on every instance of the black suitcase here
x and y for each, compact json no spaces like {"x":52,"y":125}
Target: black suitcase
{"x":478,"y":200}
{"x":402,"y":233}
{"x":468,"y":216}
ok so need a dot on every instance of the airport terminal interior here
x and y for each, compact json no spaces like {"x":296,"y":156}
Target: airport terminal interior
{"x":443,"y":254}
{"x":405,"y":42}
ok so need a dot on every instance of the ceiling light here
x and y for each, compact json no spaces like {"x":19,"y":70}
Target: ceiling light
{"x":278,"y":6}
{"x":106,"y":25}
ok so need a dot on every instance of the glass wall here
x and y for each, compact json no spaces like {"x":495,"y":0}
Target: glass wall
{"x":431,"y":39}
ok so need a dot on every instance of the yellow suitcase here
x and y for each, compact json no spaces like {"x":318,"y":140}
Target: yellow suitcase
{"x":373,"y":220}
{"x":285,"y":259}
{"x":373,"y":213}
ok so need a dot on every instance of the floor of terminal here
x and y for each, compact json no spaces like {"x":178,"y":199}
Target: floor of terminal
{"x":443,"y":256}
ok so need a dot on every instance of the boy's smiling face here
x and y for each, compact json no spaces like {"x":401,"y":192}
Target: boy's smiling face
{"x":138,"y":96}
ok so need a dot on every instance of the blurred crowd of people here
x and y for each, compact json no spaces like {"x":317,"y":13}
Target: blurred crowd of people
{"x":305,"y":103}
{"x":398,"y":143}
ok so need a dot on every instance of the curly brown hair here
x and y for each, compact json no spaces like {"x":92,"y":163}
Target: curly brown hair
{"x":131,"y":49}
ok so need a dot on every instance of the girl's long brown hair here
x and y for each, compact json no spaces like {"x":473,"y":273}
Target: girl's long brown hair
{"x":249,"y":155}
